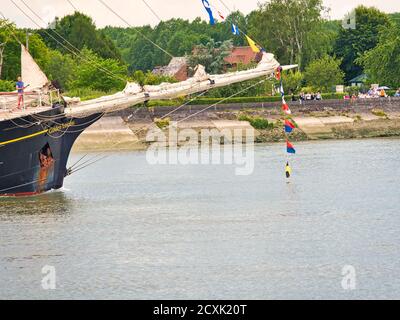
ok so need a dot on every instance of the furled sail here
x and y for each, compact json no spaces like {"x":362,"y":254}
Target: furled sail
{"x":32,"y":75}
{"x":201,"y":81}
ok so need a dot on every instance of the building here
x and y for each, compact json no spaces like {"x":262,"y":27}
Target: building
{"x":359,"y":81}
{"x":242,"y":56}
{"x":177,"y":68}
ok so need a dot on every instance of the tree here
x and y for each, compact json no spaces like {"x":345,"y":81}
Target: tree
{"x":352,"y":43}
{"x":12,"y":53}
{"x":80,"y":31}
{"x":61,"y":68}
{"x":211,"y":55}
{"x":382,"y":63}
{"x":88,"y":76}
{"x":320,"y":41}
{"x":324,"y":73}
{"x":292,"y":81}
{"x":6,"y":29}
{"x":284,"y":26}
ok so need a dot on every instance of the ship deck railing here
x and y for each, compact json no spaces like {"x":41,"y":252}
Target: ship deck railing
{"x":33,"y":102}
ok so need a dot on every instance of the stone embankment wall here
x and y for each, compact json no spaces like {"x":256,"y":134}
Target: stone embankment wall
{"x":269,"y":108}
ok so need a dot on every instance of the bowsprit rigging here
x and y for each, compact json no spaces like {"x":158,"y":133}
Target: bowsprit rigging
{"x":35,"y":143}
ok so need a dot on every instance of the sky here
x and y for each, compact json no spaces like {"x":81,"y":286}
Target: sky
{"x":136,"y":13}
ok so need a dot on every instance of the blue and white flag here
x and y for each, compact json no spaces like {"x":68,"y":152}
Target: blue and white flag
{"x":207,"y":6}
{"x":235,"y":30}
{"x":281,"y":90}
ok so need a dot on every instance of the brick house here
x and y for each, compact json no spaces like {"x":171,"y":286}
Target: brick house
{"x":177,"y":68}
{"x":242,"y":55}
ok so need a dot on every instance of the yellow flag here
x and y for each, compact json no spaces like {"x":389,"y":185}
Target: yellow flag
{"x":253,"y":45}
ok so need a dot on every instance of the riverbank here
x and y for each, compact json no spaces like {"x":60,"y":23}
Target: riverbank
{"x":334,"y":119}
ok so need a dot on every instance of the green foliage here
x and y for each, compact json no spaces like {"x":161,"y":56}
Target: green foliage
{"x":87,"y":93}
{"x":6,"y":29}
{"x":211,"y":55}
{"x":87,"y":74}
{"x":320,"y":41}
{"x":382,"y":63}
{"x":323,"y":74}
{"x":378,"y":112}
{"x":7,"y":86}
{"x":256,"y":122}
{"x":162,"y":123}
{"x":352,"y":43}
{"x":292,"y":81}
{"x":150,"y":78}
{"x":286,"y":26}
{"x":80,"y":31}
{"x":61,"y":68}
{"x":177,"y":36}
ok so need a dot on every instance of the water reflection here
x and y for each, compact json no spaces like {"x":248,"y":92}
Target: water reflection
{"x":53,"y":203}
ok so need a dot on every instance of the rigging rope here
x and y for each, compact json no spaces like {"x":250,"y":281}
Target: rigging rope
{"x":231,"y":20}
{"x":135,"y":29}
{"x":98,"y":66}
{"x":104,"y":70}
{"x":91,"y":162}
{"x":72,"y":5}
{"x":152,"y":10}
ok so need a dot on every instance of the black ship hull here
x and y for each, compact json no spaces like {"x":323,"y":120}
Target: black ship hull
{"x":34,"y":151}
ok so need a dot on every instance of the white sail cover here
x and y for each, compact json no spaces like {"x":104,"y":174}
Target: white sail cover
{"x":201,"y":81}
{"x":31,"y":73}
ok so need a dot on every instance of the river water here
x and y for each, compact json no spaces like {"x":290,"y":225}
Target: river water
{"x":124,"y":229}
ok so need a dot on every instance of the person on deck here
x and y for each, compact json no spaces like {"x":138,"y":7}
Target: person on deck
{"x":20,"y":87}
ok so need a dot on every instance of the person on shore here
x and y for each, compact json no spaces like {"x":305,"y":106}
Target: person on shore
{"x":318,"y":97}
{"x":20,"y":88}
{"x":302,"y":97}
{"x":397,"y":94}
{"x":382,"y":93}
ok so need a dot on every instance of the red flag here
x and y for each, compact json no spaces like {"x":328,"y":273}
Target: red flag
{"x":285,"y":107}
{"x":290,"y":148}
{"x":221,"y":16}
{"x":289,"y":126}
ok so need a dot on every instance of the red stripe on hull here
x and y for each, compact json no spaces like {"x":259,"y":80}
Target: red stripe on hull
{"x":21,"y":194}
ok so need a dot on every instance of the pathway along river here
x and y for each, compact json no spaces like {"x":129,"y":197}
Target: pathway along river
{"x":125,"y":229}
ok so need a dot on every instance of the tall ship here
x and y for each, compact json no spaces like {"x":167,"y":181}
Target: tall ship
{"x":35,"y":142}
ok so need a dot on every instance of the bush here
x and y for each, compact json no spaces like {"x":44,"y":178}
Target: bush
{"x":378,"y":113}
{"x":162,"y":123}
{"x":292,"y":81}
{"x":256,"y":122}
{"x":324,"y":73}
{"x":333,"y":96}
{"x":7,"y":86}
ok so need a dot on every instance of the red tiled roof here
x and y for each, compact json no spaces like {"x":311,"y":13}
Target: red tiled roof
{"x":242,"y":55}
